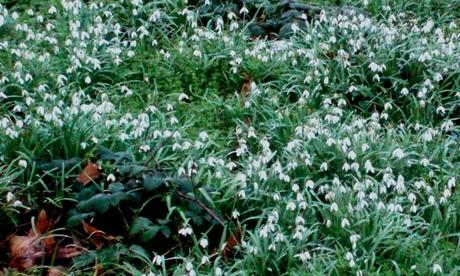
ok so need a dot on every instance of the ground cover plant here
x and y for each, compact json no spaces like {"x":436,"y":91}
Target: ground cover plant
{"x":244,"y":137}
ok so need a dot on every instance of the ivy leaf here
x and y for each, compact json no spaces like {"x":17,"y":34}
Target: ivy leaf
{"x":165,"y":231}
{"x":116,"y":187}
{"x":139,"y":225}
{"x":108,"y":155}
{"x":117,"y":197}
{"x":100,"y":203}
{"x":152,"y":182}
{"x":132,"y":170}
{"x":78,"y":218}
{"x":184,"y":184}
{"x":58,"y":164}
{"x":149,"y":234}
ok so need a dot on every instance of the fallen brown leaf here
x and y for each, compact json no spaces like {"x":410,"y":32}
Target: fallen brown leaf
{"x":26,"y":251}
{"x":233,"y":240}
{"x":97,"y":237}
{"x":57,"y":271}
{"x":89,"y":173}
{"x":246,"y":86}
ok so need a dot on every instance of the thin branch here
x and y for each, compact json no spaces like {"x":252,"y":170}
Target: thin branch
{"x":209,"y":211}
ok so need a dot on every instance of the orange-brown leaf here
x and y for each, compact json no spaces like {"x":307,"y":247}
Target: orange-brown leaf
{"x":89,"y":173}
{"x":57,"y":271}
{"x":233,"y":240}
{"x":69,"y":251}
{"x":25,"y":251}
{"x":43,"y":224}
{"x":98,"y":237}
{"x":246,"y":86}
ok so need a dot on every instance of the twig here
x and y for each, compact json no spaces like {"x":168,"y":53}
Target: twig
{"x":209,"y":211}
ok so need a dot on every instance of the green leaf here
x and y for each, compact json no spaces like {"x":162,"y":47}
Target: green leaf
{"x":117,"y":197}
{"x":100,"y":203}
{"x":78,"y":218}
{"x":139,"y":251}
{"x":149,"y":234}
{"x":132,"y":170}
{"x":165,"y":231}
{"x":184,"y":184}
{"x":58,"y":164}
{"x":107,"y":155}
{"x":139,"y":225}
{"x":116,"y":187}
{"x":152,"y":182}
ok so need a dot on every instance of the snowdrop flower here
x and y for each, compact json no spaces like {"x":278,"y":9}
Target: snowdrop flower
{"x":424,"y":162}
{"x":398,"y":153}
{"x":437,"y":268}
{"x":368,"y":167}
{"x":18,"y":203}
{"x":22,"y":163}
{"x":111,"y":178}
{"x":323,"y":167}
{"x":9,"y":197}
{"x":204,"y":243}
{"x":404,"y":91}
{"x":186,"y":231}
{"x":144,"y":148}
{"x":345,"y":223}
{"x":354,"y":239}
{"x":291,"y":206}
{"x":334,"y":207}
{"x":158,"y":260}
{"x":304,"y":256}
{"x":52,"y":10}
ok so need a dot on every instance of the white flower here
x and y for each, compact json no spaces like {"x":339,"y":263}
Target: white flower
{"x":354,"y":239}
{"x":189,"y":266}
{"x":424,"y":162}
{"x":9,"y":196}
{"x":334,"y":207}
{"x":158,"y":260}
{"x":368,"y":167}
{"x":304,"y":256}
{"x":204,"y":260}
{"x":52,"y":10}
{"x":309,"y":184}
{"x":186,"y":231}
{"x":111,"y":177}
{"x":204,"y":243}
{"x":345,"y":223}
{"x":404,"y":91}
{"x":291,"y":206}
{"x":323,"y":167}
{"x":87,"y":80}
{"x":144,"y":148}
{"x":437,"y":268}
{"x":398,"y":153}
{"x":22,"y":163}
{"x":352,"y":155}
